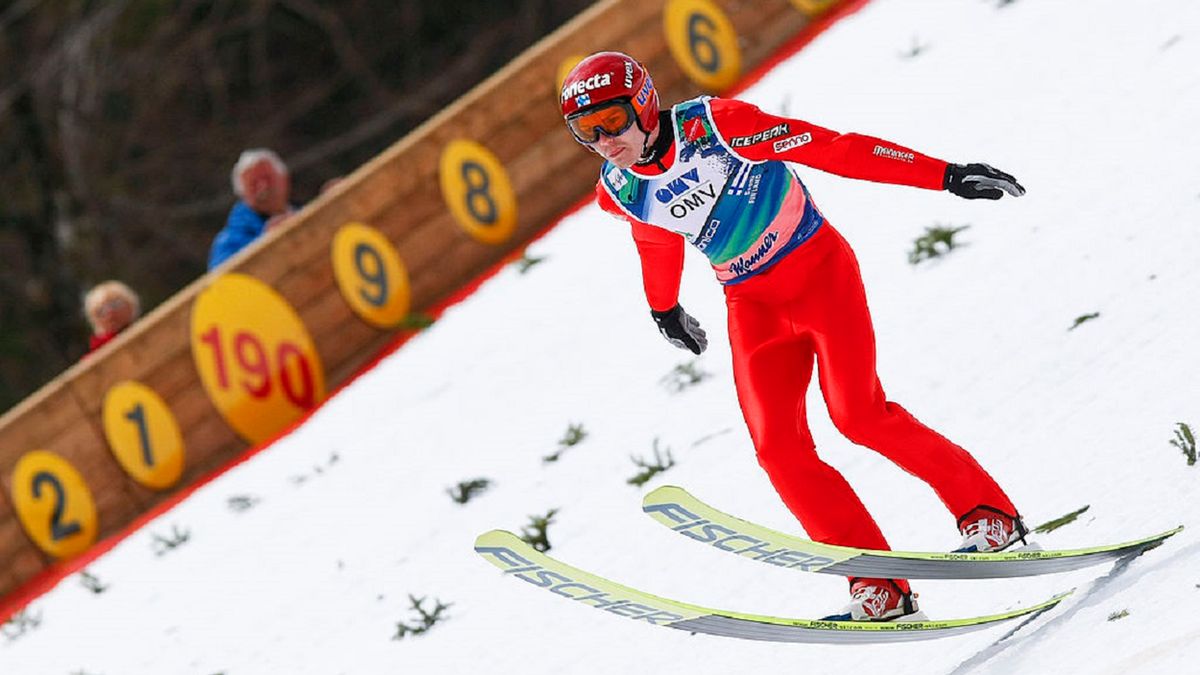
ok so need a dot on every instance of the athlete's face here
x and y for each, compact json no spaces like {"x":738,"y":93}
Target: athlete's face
{"x":622,"y":150}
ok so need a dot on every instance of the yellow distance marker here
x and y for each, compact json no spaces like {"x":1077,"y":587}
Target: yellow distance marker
{"x":704,"y":43}
{"x":476,"y":188}
{"x":143,"y":435}
{"x":814,"y":8}
{"x":54,"y":504}
{"x":370,"y":275}
{"x":564,"y":69}
{"x":255,"y":358}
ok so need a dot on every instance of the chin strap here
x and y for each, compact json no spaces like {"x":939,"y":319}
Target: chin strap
{"x":647,"y":152}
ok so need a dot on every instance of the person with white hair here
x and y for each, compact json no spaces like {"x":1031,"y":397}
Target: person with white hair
{"x":110,"y":307}
{"x":262,"y":184}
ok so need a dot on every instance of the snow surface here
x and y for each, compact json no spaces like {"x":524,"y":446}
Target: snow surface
{"x":1094,"y":107}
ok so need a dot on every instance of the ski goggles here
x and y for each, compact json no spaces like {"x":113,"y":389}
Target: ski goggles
{"x":611,"y":119}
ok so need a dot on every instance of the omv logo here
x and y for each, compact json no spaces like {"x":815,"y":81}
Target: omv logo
{"x":678,"y":186}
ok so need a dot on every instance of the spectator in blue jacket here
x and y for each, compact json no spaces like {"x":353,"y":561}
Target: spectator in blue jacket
{"x":261,"y":182}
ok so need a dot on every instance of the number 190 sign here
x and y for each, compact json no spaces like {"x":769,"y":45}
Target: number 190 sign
{"x":255,"y":357}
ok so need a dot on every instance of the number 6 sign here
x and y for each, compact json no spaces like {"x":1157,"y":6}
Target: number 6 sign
{"x":704,"y":43}
{"x":254,"y":356}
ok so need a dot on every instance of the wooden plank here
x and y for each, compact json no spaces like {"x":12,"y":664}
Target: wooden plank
{"x":20,"y":559}
{"x":36,"y":421}
{"x":356,"y":346}
{"x":210,"y":444}
{"x":173,"y":376}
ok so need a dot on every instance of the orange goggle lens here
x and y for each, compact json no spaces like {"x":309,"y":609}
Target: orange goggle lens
{"x":611,"y":120}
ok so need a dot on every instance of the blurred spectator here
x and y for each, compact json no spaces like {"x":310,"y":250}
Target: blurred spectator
{"x":110,"y":308}
{"x":261,"y":182}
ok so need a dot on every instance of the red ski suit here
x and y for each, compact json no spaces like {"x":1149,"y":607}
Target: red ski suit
{"x":809,"y":306}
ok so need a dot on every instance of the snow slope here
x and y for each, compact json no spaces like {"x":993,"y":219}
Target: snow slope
{"x":1092,"y":105}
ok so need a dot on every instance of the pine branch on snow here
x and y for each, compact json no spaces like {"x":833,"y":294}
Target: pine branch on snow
{"x":1053,"y":525}
{"x":92,"y":582}
{"x":936,"y":242}
{"x":574,"y":435}
{"x":1186,"y":442}
{"x":425,"y":618}
{"x":177,"y":538}
{"x":240,"y":503}
{"x":535,"y":533}
{"x":527,"y":262}
{"x":465,"y":490}
{"x":684,"y":375}
{"x":650,"y":470}
{"x":20,"y":623}
{"x":916,"y":50}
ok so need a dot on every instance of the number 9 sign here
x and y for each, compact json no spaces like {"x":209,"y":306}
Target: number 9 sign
{"x":254,"y":356}
{"x":370,"y":275}
{"x":54,"y":504}
{"x":478,"y":192}
{"x":703,"y":42}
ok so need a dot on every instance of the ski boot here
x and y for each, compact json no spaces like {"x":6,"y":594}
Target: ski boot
{"x":988,"y":530}
{"x":879,"y":600}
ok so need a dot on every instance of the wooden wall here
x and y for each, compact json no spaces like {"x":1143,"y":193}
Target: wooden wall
{"x":514,"y":114}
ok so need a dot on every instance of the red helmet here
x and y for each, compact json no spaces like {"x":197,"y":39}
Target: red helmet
{"x":605,"y":77}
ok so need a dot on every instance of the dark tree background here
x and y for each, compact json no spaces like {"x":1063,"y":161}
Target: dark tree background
{"x":121,"y":119}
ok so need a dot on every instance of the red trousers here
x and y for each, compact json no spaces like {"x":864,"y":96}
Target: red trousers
{"x":811,"y":305}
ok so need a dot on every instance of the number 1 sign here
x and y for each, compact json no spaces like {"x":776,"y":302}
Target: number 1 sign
{"x":143,"y":435}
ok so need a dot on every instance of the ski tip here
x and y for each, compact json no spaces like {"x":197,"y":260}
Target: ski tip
{"x":492,"y":538}
{"x":663,"y":493}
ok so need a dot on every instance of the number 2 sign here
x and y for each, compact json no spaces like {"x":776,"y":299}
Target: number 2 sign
{"x":254,"y":356}
{"x":54,"y":504}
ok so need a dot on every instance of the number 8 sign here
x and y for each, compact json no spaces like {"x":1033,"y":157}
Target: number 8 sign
{"x":254,"y":356}
{"x":477,"y":191}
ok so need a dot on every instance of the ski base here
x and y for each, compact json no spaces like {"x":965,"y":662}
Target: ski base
{"x":518,"y":559}
{"x":677,"y":509}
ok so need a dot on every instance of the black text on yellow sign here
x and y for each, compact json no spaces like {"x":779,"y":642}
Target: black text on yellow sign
{"x":477,"y":191}
{"x":255,"y":358}
{"x":143,"y":435}
{"x":370,"y":275}
{"x":54,"y":504}
{"x":704,"y":43}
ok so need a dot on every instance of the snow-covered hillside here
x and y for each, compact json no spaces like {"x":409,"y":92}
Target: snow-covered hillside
{"x":1093,"y":106}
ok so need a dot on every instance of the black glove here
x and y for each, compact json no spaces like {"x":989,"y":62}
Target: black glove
{"x":980,"y":181}
{"x":681,"y":329}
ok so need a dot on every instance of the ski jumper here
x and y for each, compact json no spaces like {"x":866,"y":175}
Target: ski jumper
{"x":794,"y":296}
